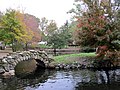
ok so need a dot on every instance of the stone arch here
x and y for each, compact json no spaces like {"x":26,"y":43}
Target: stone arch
{"x":10,"y":61}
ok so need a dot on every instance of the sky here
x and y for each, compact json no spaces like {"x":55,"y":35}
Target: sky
{"x":51,"y":9}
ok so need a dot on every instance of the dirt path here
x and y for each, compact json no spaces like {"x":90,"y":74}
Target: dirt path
{"x":5,"y":52}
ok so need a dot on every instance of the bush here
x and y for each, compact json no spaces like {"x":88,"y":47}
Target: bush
{"x":88,"y":49}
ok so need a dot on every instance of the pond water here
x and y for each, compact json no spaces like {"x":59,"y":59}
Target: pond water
{"x":64,"y":80}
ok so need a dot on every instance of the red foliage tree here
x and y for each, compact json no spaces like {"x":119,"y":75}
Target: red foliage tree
{"x":32,"y":24}
{"x":98,"y":25}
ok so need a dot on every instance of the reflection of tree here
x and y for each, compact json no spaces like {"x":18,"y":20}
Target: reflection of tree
{"x":106,"y":80}
{"x":32,"y":80}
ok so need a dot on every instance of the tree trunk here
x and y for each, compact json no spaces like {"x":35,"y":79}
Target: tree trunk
{"x":54,"y":51}
{"x":13,"y":45}
{"x":26,"y":46}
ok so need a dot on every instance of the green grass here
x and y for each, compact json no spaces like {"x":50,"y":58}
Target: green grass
{"x":70,"y":58}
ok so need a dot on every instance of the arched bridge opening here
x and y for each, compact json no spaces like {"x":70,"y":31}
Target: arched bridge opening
{"x":9,"y":62}
{"x":40,"y":64}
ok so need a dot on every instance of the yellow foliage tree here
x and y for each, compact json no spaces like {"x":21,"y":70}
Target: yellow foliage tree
{"x":13,"y":28}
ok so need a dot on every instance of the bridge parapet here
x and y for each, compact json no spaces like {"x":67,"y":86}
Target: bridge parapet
{"x":10,"y":61}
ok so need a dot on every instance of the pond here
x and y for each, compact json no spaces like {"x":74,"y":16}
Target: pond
{"x":81,"y":79}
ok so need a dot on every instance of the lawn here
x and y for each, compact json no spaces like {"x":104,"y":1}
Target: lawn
{"x":70,"y":58}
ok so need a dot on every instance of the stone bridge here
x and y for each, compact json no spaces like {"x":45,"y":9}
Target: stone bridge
{"x":10,"y":61}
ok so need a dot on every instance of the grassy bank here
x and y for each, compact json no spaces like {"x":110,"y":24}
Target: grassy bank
{"x":71,"y":58}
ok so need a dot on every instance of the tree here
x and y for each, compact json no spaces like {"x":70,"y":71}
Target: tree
{"x":11,"y":30}
{"x":28,"y":32}
{"x":66,"y":34}
{"x":43,"y":25}
{"x":59,"y":38}
{"x":98,"y":24}
{"x":32,"y":24}
{"x":51,"y":28}
{"x":74,"y":33}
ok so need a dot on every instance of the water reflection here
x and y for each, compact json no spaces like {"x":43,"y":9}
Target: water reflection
{"x":20,"y":83}
{"x":94,"y":86}
{"x":64,"y":80}
{"x":24,"y":68}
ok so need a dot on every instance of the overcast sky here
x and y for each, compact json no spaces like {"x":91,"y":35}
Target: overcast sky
{"x":51,"y":9}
